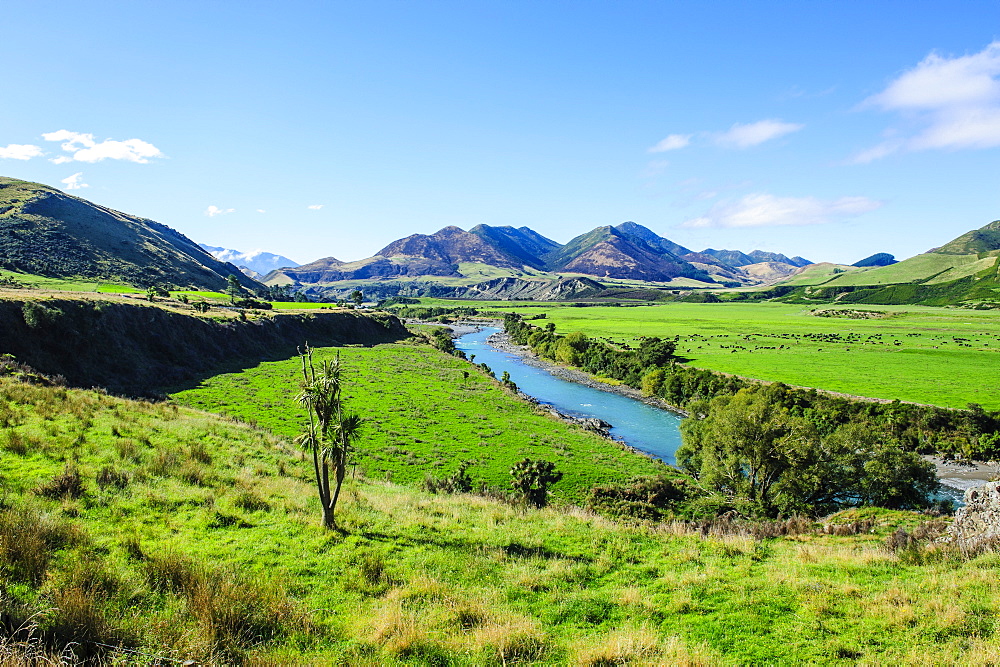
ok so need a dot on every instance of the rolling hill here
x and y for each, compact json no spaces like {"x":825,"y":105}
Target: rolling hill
{"x":46,"y":232}
{"x":964,"y":271}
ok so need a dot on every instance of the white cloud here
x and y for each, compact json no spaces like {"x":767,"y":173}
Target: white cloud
{"x":765,"y":210}
{"x":954,"y":103}
{"x":260,"y":210}
{"x":213,"y":211}
{"x":84,"y":148}
{"x":876,"y":152}
{"x":754,"y":134}
{"x":671,"y":143}
{"x":75,"y":182}
{"x":19,"y":151}
{"x":315,"y":207}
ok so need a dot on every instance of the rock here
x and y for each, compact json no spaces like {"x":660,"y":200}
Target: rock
{"x":978,"y":523}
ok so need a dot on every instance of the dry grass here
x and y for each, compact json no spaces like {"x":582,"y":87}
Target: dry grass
{"x":639,"y":646}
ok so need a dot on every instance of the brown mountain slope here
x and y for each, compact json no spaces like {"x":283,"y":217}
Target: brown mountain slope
{"x":450,"y":245}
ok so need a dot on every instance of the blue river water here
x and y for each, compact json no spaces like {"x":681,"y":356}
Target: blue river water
{"x":648,"y":429}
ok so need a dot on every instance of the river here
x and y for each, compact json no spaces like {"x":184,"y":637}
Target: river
{"x":648,"y":429}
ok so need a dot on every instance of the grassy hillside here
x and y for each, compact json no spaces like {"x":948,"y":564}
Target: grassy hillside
{"x":46,"y":232}
{"x":915,"y":269}
{"x":426,"y":418}
{"x":938,"y":356}
{"x":178,"y":534}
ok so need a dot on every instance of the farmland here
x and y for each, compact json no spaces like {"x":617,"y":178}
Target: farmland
{"x":938,"y":356}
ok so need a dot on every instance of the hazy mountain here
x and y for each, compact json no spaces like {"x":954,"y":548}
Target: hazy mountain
{"x":729,"y":257}
{"x":257,"y":261}
{"x":878,"y":259}
{"x":47,"y":232}
{"x":736,"y":258}
{"x":764,"y":256}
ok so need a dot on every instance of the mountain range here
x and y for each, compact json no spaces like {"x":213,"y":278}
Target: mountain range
{"x":627,"y":251}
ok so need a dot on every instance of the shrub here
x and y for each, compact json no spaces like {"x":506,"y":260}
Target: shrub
{"x":251,"y":502}
{"x":532,"y":480}
{"x":28,"y":540}
{"x":457,"y":482}
{"x":67,"y":484}
{"x":109,"y":476}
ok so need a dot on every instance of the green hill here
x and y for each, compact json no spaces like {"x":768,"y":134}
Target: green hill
{"x":46,"y":232}
{"x":984,"y":239}
{"x":963,"y":271}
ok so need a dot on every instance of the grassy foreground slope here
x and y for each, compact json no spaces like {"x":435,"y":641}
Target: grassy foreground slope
{"x":179,"y":534}
{"x":425,"y":417}
{"x":937,"y":356}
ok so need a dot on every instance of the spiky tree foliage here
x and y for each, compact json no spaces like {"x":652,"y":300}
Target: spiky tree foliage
{"x":331,"y":430}
{"x":532,"y":479}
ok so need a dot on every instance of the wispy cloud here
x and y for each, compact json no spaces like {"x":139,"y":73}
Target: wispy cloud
{"x":670,"y":143}
{"x":213,"y":211}
{"x":765,"y":210}
{"x":739,"y":136}
{"x":75,"y":182}
{"x":82,"y":147}
{"x":951,"y":103}
{"x":754,"y":134}
{"x":19,"y":152}
{"x":260,"y":210}
{"x":315,"y":207}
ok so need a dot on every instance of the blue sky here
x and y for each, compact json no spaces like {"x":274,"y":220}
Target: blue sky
{"x":830,"y":130}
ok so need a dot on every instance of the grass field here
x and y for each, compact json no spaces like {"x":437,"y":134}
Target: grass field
{"x":424,"y":417}
{"x":939,"y":356}
{"x":193,"y":537}
{"x":68,"y":285}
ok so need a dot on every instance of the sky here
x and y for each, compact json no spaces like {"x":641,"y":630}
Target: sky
{"x":829,"y":130}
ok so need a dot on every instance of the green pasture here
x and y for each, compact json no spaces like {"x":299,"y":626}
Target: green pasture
{"x":300,"y":305}
{"x":69,"y":284}
{"x":939,"y":356}
{"x":193,"y":537}
{"x":424,"y":417}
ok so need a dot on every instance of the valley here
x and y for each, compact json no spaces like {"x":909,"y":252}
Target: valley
{"x":171,"y":512}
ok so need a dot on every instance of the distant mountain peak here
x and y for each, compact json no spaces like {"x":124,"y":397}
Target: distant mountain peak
{"x":258,"y":261}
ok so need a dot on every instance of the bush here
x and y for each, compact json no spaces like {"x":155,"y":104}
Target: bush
{"x":108,"y":476}
{"x":67,"y":484}
{"x":650,"y":498}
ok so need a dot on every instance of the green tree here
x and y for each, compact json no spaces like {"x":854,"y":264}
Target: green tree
{"x":533,"y":478}
{"x":766,"y":461}
{"x":358,"y":297}
{"x":331,"y":430}
{"x":233,"y":288}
